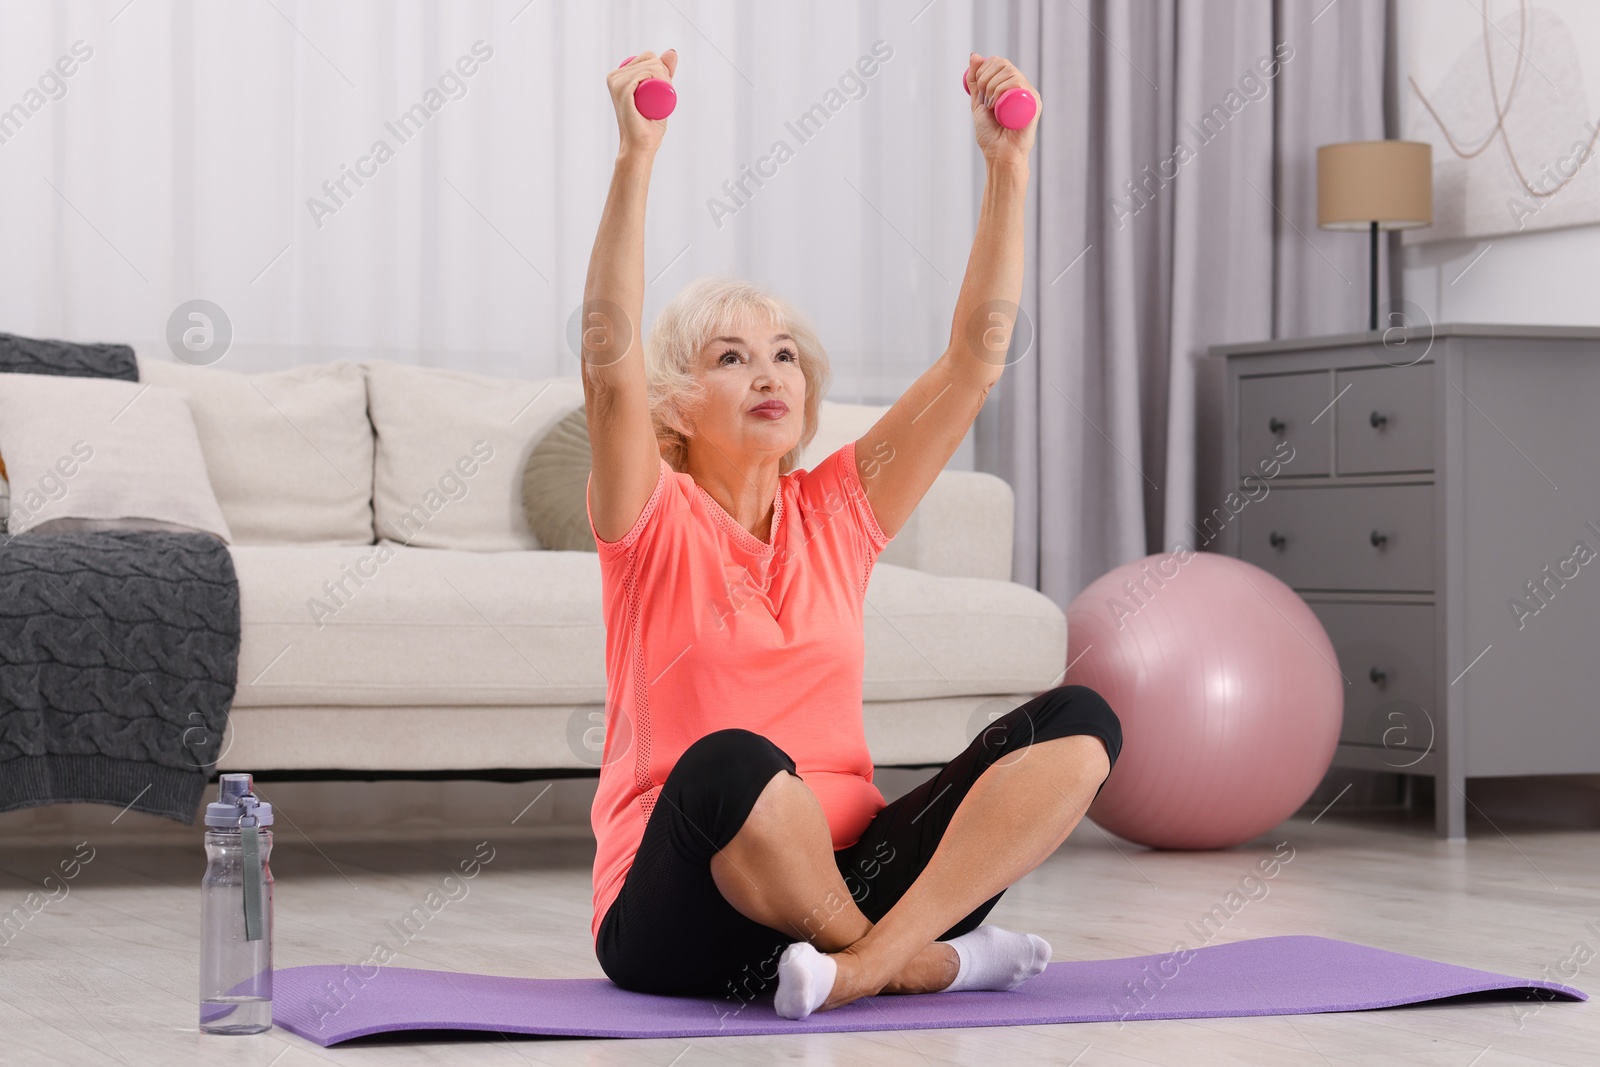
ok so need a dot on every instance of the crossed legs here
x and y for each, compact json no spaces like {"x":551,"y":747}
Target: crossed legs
{"x":780,"y":868}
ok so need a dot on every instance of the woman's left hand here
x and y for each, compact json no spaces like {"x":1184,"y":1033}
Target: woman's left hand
{"x":988,"y":78}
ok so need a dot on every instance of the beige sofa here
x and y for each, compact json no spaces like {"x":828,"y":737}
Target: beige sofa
{"x":399,"y":614}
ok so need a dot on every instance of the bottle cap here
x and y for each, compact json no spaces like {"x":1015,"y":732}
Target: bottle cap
{"x":236,"y":805}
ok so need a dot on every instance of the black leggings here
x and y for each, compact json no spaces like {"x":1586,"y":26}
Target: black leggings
{"x":670,"y":930}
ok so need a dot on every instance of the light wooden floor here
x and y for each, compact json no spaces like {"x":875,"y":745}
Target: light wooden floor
{"x":107,"y":975}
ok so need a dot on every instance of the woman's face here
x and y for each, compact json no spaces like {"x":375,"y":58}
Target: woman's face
{"x":755,"y":398}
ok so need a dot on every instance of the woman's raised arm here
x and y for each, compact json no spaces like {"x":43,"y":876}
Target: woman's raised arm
{"x":626,"y":458}
{"x":904,"y":451}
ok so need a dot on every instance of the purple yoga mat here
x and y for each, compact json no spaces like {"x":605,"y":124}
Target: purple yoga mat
{"x":1267,"y":976}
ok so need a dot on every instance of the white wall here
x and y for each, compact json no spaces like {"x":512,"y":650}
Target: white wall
{"x":1544,"y":277}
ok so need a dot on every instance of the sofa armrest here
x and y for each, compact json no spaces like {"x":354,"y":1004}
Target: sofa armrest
{"x":961,"y":528}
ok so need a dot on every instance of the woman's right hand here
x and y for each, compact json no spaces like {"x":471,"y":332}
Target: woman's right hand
{"x":638,"y":132}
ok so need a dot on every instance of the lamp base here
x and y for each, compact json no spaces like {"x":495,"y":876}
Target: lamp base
{"x":1372,"y":281}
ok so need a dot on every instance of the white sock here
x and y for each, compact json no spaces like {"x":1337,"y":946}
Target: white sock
{"x":992,"y":958}
{"x":805,"y":978}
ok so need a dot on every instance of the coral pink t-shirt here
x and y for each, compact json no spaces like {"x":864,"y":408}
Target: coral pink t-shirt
{"x":708,"y":627}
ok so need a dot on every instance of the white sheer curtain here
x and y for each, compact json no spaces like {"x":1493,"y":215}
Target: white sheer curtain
{"x":177,"y":162}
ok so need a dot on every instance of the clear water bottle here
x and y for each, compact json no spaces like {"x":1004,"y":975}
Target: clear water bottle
{"x":236,"y":912}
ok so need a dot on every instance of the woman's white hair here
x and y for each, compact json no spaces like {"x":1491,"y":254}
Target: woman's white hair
{"x":707,"y":308}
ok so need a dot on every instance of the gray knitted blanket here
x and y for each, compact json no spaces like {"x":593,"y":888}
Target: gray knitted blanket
{"x":118,"y":649}
{"x":119,"y":654}
{"x":74,"y":359}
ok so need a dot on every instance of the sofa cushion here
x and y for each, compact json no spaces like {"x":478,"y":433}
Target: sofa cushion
{"x":451,"y":449}
{"x":388,"y":624}
{"x":934,"y":636}
{"x":289,"y":453}
{"x":115,"y":453}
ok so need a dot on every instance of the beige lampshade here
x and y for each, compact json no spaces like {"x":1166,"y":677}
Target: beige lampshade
{"x":1387,"y":182}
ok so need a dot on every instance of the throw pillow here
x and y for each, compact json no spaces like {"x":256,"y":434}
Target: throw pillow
{"x":102,"y":449}
{"x":289,"y":452}
{"x":555,"y":484}
{"x":451,"y":448}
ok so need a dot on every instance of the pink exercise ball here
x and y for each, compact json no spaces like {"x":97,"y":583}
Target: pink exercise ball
{"x":1228,"y":691}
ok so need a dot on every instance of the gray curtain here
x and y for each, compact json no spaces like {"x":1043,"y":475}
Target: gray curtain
{"x":1172,"y":207}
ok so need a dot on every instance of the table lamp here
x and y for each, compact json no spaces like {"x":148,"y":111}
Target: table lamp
{"x":1372,"y":186}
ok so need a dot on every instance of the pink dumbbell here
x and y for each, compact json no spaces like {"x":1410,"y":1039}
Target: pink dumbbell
{"x":1015,"y":108}
{"x":654,"y":97}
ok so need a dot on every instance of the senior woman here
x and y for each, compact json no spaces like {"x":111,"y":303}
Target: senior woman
{"x":742,"y":847}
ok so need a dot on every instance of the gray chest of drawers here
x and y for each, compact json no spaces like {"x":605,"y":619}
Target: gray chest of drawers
{"x":1439,"y":510}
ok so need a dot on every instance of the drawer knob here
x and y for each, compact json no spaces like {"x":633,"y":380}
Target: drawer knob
{"x":1379,"y":539}
{"x":1276,"y":425}
{"x":1276,"y":539}
{"x":1379,"y":421}
{"x":1378,"y":677}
